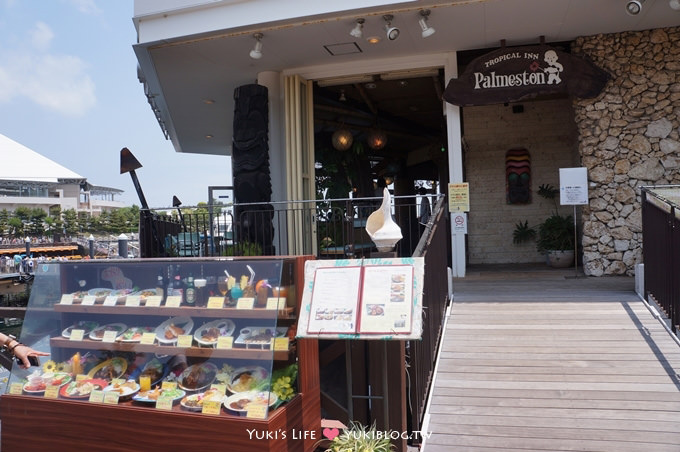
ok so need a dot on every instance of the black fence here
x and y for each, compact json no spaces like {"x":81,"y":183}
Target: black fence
{"x":421,"y":355}
{"x":661,"y":246}
{"x":329,"y":229}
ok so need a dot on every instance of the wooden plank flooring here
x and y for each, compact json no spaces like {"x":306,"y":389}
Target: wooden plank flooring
{"x":538,"y":360}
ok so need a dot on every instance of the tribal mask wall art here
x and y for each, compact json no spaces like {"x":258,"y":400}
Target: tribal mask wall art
{"x":518,"y":176}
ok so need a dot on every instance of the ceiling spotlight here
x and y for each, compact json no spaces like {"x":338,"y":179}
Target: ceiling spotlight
{"x":427,"y":30}
{"x":633,"y":7}
{"x":391,"y":32}
{"x":674,"y":4}
{"x":256,"y":53}
{"x":358,"y":30}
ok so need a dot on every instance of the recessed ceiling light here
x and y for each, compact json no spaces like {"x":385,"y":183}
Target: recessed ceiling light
{"x":208,"y":101}
{"x":209,"y":136}
{"x":370,"y":85}
{"x":373,"y":39}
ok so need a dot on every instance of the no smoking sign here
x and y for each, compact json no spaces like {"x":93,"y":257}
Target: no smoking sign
{"x":459,"y":223}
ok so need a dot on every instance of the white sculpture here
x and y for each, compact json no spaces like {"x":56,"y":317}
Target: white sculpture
{"x":380,"y":226}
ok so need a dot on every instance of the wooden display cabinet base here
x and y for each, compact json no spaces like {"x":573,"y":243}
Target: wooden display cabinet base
{"x":33,"y":424}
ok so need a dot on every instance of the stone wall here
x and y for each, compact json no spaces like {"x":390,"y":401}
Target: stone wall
{"x":628,"y":137}
{"x":546,"y":129}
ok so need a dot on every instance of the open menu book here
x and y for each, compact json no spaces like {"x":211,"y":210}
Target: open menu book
{"x":362,"y":299}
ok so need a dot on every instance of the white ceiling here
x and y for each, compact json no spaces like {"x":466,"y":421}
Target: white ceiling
{"x":183,"y":72}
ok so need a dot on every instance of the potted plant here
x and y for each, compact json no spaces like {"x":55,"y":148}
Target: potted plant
{"x":360,"y":438}
{"x":555,"y":235}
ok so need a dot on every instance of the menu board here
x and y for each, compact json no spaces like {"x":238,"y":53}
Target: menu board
{"x":362,"y":299}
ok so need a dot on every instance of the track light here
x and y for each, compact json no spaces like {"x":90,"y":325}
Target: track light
{"x":391,"y":32}
{"x":358,"y":30}
{"x":633,"y":7}
{"x":427,"y":31}
{"x":674,"y":4}
{"x":256,"y":53}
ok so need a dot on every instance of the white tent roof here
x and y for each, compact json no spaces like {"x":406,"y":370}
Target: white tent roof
{"x":20,"y":163}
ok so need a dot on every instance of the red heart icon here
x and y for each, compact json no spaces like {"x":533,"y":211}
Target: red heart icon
{"x":330,"y":433}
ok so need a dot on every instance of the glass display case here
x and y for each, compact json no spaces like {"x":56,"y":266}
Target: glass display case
{"x":193,"y":336}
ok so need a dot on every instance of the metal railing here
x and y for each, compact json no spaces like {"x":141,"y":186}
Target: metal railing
{"x":329,"y":229}
{"x":661,"y":246}
{"x":421,"y":355}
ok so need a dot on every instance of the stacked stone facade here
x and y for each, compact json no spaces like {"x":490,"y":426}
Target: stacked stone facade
{"x":629,"y":136}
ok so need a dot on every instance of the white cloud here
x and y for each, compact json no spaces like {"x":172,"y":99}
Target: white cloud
{"x":56,"y":82}
{"x":86,"y":6}
{"x":41,"y":36}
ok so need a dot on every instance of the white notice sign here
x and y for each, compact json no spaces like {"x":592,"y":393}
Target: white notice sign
{"x":573,"y":186}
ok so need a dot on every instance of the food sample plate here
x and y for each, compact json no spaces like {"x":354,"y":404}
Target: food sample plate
{"x":86,"y":325}
{"x":258,"y":336}
{"x":79,"y":295}
{"x":209,"y":332}
{"x":109,"y":369}
{"x":152,"y":395}
{"x":39,"y":384}
{"x":121,"y":294}
{"x":82,"y":389}
{"x":246,"y":379}
{"x":100,"y":293}
{"x":134,"y":333}
{"x":97,"y":334}
{"x":124,"y":390}
{"x":194,"y":402}
{"x":241,"y":402}
{"x":168,"y":331}
{"x":198,"y":377}
{"x":145,"y":293}
{"x":155,"y":370}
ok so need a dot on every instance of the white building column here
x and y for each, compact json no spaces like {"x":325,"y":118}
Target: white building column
{"x":455,"y":155}
{"x":277,"y":145}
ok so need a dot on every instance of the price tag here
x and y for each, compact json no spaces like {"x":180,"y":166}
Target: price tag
{"x":52,"y":392}
{"x":164,"y":403}
{"x":281,"y":344}
{"x":153,"y":300}
{"x":110,"y":336}
{"x":212,"y":407}
{"x":169,"y":385}
{"x":257,"y":411}
{"x":132,"y":300}
{"x":96,"y":396}
{"x":273,"y":303}
{"x":185,"y":340}
{"x":245,"y":303}
{"x":225,"y":342}
{"x":215,"y":303}
{"x":88,"y":300}
{"x":148,"y":338}
{"x":222,"y":388}
{"x":81,"y":377}
{"x":67,"y":298}
{"x":111,"y":300}
{"x":16,"y":388}
{"x":111,"y":398}
{"x":77,"y":335}
{"x":173,"y":301}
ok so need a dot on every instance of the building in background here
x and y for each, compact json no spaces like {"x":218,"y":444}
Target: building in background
{"x":28,"y":179}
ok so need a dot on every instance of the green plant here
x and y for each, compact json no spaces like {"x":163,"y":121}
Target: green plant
{"x":360,"y":438}
{"x":243,"y":249}
{"x":555,"y":233}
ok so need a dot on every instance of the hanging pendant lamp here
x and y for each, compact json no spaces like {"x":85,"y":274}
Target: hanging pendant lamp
{"x":342,"y":139}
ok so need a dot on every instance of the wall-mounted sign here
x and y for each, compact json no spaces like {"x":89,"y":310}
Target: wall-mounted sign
{"x":459,"y":197}
{"x":516,"y":73}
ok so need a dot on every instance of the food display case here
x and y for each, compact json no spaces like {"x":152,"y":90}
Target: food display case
{"x":146,"y":353}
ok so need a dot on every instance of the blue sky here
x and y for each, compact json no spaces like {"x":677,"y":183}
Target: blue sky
{"x":69,"y":91}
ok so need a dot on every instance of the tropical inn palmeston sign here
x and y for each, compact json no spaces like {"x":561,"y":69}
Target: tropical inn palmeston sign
{"x":517,"y":73}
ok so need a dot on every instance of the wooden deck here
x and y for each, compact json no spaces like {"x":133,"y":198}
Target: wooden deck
{"x":540,"y":360}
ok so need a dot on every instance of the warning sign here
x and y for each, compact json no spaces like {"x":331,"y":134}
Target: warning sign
{"x":459,"y":223}
{"x":459,"y":197}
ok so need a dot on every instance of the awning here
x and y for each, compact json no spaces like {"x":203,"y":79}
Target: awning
{"x":39,"y":249}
